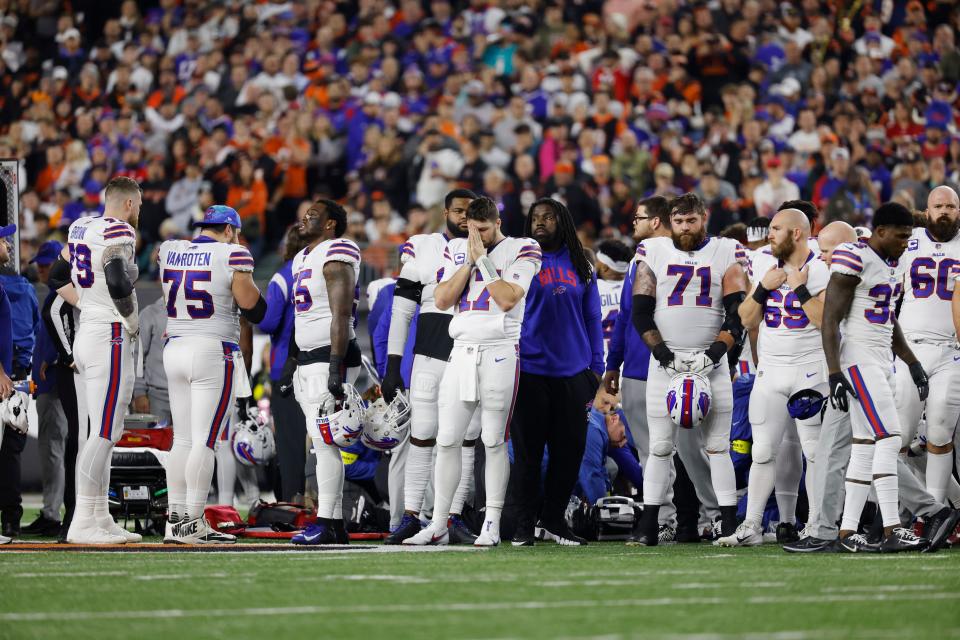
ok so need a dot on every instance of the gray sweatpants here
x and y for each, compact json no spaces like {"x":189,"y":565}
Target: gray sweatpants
{"x":833,"y":455}
{"x":633,"y":394}
{"x":51,"y":441}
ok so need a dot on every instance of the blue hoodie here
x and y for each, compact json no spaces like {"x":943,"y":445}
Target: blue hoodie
{"x":562,"y":334}
{"x":278,"y":321}
{"x":627,"y":348}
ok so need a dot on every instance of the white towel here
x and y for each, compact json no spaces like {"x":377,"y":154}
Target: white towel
{"x":465,"y":361}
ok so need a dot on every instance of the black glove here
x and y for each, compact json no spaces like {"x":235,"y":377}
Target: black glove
{"x":243,"y":408}
{"x":920,"y":379}
{"x":285,"y":383}
{"x":839,"y":388}
{"x":392,"y":383}
{"x":663,"y":355}
{"x":335,"y":378}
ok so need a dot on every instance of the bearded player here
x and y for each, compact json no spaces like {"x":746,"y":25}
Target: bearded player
{"x":101,"y":252}
{"x":865,"y":282}
{"x":422,"y":260}
{"x":786,"y":305}
{"x":686,"y":297}
{"x":485,"y":280}
{"x":207,"y":285}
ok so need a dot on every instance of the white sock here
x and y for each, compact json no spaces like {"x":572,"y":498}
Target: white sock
{"x":496,"y":477}
{"x":200,"y":467}
{"x":724,"y":479}
{"x":885,"y":455}
{"x":329,"y":480}
{"x":467,"y":456}
{"x":84,"y":509}
{"x":446,"y":479}
{"x":939,"y":470}
{"x":177,"y":479}
{"x":226,"y":472}
{"x":415,"y":476}
{"x":857,"y":485}
{"x":96,"y":455}
{"x":656,"y":474}
{"x":886,"y":488}
{"x":789,"y":470}
{"x":759,"y":489}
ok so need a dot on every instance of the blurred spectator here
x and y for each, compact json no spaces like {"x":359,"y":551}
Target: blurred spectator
{"x":854,"y":201}
{"x":775,"y":190}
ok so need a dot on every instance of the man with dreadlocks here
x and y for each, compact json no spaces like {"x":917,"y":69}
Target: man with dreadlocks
{"x":561,"y":361}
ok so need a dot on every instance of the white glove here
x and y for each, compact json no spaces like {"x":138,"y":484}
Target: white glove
{"x":488,"y":272}
{"x":131,"y":323}
{"x":699,"y":363}
{"x":13,"y":412}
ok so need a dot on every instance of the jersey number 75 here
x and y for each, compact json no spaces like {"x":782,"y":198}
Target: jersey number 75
{"x":202,"y":306}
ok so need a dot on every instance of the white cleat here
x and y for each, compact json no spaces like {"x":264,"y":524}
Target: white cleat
{"x":198,"y":531}
{"x":116,"y":529}
{"x":429,"y":536}
{"x":168,"y":532}
{"x":746,"y":535}
{"x":5,"y":540}
{"x":90,"y":532}
{"x":486,"y":539}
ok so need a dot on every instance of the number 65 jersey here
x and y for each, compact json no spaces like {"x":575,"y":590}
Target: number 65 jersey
{"x":477,"y":318}
{"x":88,"y":239}
{"x":787,"y":337}
{"x":868,"y":328}
{"x":197,"y":278}
{"x":311,"y":303}
{"x":689,"y":308}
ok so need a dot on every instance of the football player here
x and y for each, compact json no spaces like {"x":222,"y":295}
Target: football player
{"x":865,"y":282}
{"x":613,"y":260}
{"x":485,"y":279}
{"x":422,"y":260}
{"x":786,"y":304}
{"x":686,"y":297}
{"x":932,"y":255}
{"x":100,"y":252}
{"x":207,"y":285}
{"x":324,"y":351}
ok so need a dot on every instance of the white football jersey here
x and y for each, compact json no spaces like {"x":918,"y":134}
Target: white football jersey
{"x":197,"y":278}
{"x":311,"y":305}
{"x":87,"y":239}
{"x":928,"y":264}
{"x":421,"y":258}
{"x":868,"y":328}
{"x":477,"y":319}
{"x":787,"y":337}
{"x":689,"y":308}
{"x":609,"y":309}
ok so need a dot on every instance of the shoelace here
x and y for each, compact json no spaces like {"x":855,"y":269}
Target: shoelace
{"x":905,"y":534}
{"x":859,"y":538}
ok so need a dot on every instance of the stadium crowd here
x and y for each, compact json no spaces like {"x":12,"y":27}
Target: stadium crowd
{"x":385,"y":107}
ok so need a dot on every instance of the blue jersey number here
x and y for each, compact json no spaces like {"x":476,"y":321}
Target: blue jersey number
{"x":199,"y":302}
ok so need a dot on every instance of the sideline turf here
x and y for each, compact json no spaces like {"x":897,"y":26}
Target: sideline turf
{"x":546,"y":592}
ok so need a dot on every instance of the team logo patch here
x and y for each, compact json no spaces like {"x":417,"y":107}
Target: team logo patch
{"x":459,"y":258}
{"x":559,"y":290}
{"x":913,"y":245}
{"x":118,"y":341}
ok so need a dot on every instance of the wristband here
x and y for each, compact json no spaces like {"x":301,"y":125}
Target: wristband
{"x":760,"y":295}
{"x":717,"y":350}
{"x":336,"y":363}
{"x":662,"y":354}
{"x":803,"y":294}
{"x":488,"y":272}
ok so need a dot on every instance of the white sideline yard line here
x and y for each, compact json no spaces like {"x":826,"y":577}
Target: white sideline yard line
{"x":74,"y":616}
{"x":798,"y":634}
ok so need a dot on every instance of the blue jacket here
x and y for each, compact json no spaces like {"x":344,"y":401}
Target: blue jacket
{"x":45,"y":352}
{"x":24,"y":317}
{"x":379,"y":321}
{"x":359,"y":462}
{"x":627,"y":348}
{"x":593,"y":482}
{"x":278,"y":321}
{"x":6,"y":333}
{"x":562,"y":333}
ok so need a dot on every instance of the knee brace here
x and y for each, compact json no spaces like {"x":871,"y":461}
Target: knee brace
{"x":661,"y":448}
{"x":861,"y":463}
{"x":448,"y":438}
{"x":939,"y":434}
{"x":885,"y":456}
{"x":763,"y":453}
{"x":492,"y":438}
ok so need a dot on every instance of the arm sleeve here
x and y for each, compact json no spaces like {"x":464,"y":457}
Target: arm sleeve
{"x":276,"y":303}
{"x":593,"y":472}
{"x":594,"y":325}
{"x":615,"y":350}
{"x":400,"y":317}
{"x":56,"y":318}
{"x":846,"y":260}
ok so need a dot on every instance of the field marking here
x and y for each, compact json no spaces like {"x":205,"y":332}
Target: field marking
{"x":74,"y":616}
{"x":798,"y":634}
{"x":70,"y":574}
{"x":881,"y":587}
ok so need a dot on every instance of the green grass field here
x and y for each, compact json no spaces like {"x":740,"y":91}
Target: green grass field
{"x":605,"y":590}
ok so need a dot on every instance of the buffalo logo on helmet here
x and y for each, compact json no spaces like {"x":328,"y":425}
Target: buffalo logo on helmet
{"x":688,"y":399}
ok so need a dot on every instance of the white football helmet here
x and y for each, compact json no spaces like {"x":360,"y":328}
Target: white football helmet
{"x":13,"y":411}
{"x":386,"y":425}
{"x":688,"y":399}
{"x":252,"y":441}
{"x":343,"y":426}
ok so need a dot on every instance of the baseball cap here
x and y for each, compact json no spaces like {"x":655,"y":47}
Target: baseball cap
{"x":773,"y":162}
{"x":8,"y":230}
{"x":220,"y":214}
{"x":47,"y":253}
{"x":840,"y":152}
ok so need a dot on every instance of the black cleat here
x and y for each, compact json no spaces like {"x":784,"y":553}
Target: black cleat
{"x":857,"y":543}
{"x":459,"y":531}
{"x":787,"y":533}
{"x":42,"y":526}
{"x":646,"y":533}
{"x":728,"y":521}
{"x":559,"y":533}
{"x":902,"y":539}
{"x":523,"y":539}
{"x":409,"y":526}
{"x":811,"y":545}
{"x":687,"y":535}
{"x":340,"y":531}
{"x":939,"y":527}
